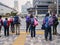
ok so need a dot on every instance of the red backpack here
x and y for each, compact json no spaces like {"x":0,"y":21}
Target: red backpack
{"x":11,"y":20}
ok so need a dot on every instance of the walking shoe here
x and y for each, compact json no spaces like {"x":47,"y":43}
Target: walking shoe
{"x":46,"y":39}
{"x":18,"y":34}
{"x":50,"y":40}
{"x":54,"y":33}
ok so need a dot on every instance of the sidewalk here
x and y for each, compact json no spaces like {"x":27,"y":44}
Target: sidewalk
{"x":7,"y":40}
{"x":25,"y":39}
{"x":38,"y":40}
{"x":21,"y":40}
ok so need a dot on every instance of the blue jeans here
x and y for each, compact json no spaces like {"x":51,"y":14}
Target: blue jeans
{"x":33,"y":32}
{"x":6,"y":31}
{"x":48,"y":32}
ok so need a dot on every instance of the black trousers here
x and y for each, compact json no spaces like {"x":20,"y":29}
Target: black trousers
{"x":48,"y":33}
{"x":54,"y":29}
{"x":27,"y":27}
{"x":6,"y":31}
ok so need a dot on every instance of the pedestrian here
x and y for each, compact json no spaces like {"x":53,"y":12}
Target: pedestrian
{"x":27,"y":23}
{"x":33,"y":25}
{"x":6,"y":24}
{"x":1,"y":23}
{"x":12,"y":24}
{"x":48,"y":23}
{"x":17,"y":24}
{"x":55,"y":23}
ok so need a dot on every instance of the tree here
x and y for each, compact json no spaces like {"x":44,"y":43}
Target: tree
{"x":13,"y":14}
{"x":7,"y":14}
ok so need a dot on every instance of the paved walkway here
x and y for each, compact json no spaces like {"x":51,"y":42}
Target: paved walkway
{"x":25,"y":39}
{"x":39,"y":40}
{"x":7,"y":40}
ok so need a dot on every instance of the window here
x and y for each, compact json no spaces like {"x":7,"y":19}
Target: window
{"x":43,"y":7}
{"x":42,"y":11}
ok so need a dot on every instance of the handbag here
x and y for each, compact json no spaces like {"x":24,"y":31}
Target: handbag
{"x":43,"y":27}
{"x":35,"y":22}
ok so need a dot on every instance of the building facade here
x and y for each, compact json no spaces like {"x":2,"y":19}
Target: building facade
{"x":41,"y":6}
{"x":16,"y":4}
{"x":25,"y":7}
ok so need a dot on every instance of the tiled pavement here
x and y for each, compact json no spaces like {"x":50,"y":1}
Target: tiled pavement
{"x":39,"y":40}
{"x":7,"y":40}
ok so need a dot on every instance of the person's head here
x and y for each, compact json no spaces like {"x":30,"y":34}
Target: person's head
{"x":6,"y":18}
{"x":31,"y":16}
{"x":47,"y":14}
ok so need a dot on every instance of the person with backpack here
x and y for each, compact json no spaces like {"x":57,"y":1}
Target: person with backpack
{"x":1,"y":23}
{"x":27,"y":23}
{"x":17,"y":24}
{"x":6,"y":24}
{"x":33,"y":25}
{"x":12,"y":24}
{"x":47,"y":24}
{"x":55,"y":23}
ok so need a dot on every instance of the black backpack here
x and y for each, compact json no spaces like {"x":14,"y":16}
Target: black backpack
{"x":55,"y":21}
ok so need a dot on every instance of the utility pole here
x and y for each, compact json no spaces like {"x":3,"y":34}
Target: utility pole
{"x":36,"y":8}
{"x":57,"y":8}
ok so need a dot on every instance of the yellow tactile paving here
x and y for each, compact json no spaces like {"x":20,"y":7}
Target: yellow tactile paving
{"x":39,"y":32}
{"x":21,"y":39}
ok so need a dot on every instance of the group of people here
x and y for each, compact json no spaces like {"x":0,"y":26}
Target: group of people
{"x":12,"y":24}
{"x":50,"y":20}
